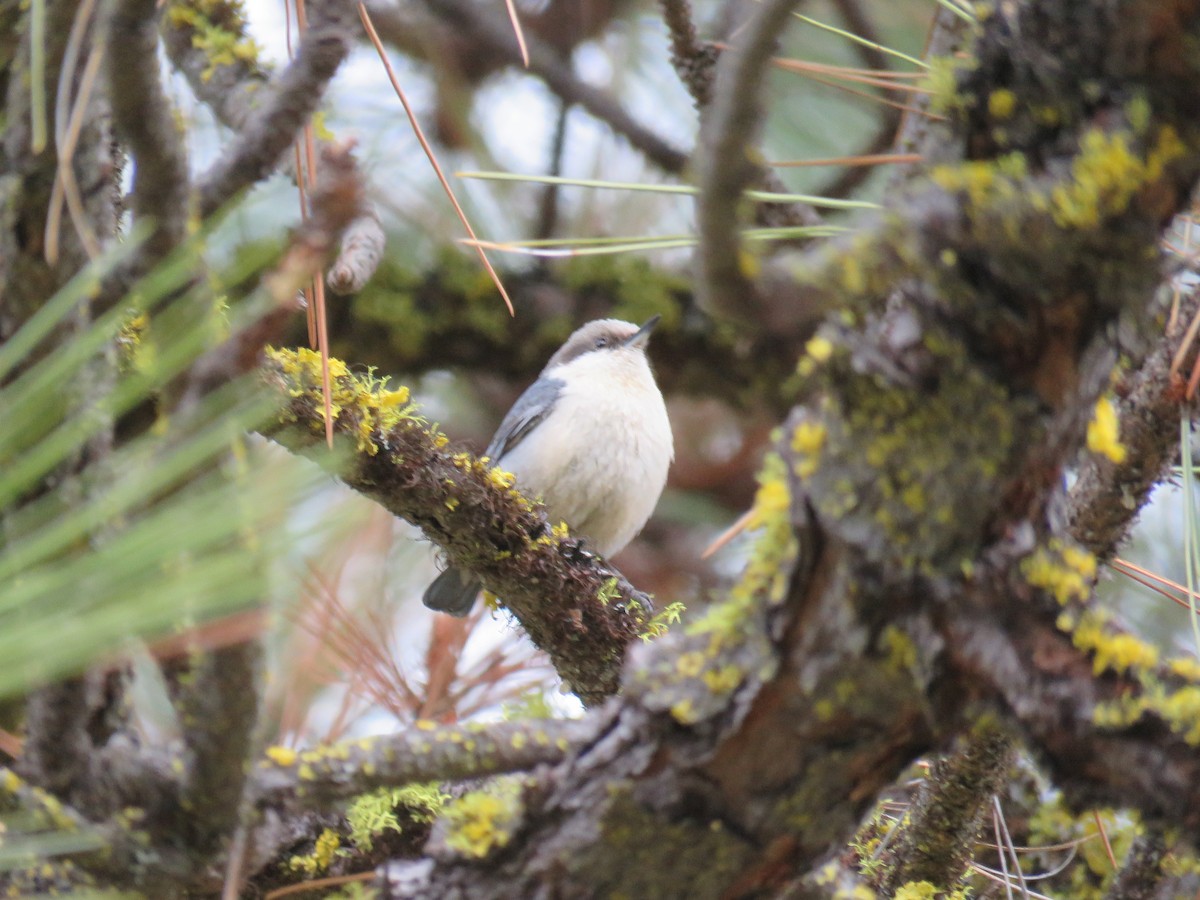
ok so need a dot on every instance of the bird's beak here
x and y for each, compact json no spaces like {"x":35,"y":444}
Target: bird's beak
{"x":642,"y":336}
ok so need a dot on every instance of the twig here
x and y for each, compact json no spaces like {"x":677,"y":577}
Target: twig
{"x":694,"y":62}
{"x":293,"y":97}
{"x":945,"y":818}
{"x":232,"y":89}
{"x":361,"y":253}
{"x":295,"y":780}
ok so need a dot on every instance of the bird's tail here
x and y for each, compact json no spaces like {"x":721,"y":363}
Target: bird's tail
{"x":453,"y":592}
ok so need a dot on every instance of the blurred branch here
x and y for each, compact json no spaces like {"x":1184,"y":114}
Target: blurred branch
{"x":486,"y":527}
{"x":218,"y":708}
{"x":145,"y":122}
{"x":56,"y":748}
{"x":724,"y":170}
{"x":335,"y":205}
{"x":320,"y":777}
{"x":1106,"y":496}
{"x":287,"y":104}
{"x":489,"y":27}
{"x":694,"y":61}
{"x":943,"y":823}
{"x":414,"y":321}
{"x":234,"y":84}
{"x":1142,"y":873}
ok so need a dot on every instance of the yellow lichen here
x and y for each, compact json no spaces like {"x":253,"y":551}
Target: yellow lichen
{"x":1002,"y":103}
{"x":819,"y":348}
{"x":900,"y":649}
{"x":371,"y":408}
{"x":917,"y":890}
{"x":1065,"y":571}
{"x":324,"y":850}
{"x":1118,"y":652}
{"x":281,"y":756}
{"x":684,"y":711}
{"x":723,"y":680}
{"x":1186,"y":667}
{"x":481,"y":821}
{"x":807,"y":439}
{"x":1103,"y":432}
{"x":690,"y":664}
{"x":1107,"y":173}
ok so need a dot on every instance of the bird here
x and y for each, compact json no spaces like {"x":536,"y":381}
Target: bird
{"x":590,"y":438}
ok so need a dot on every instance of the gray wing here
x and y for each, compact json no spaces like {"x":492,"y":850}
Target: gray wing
{"x":531,"y":407}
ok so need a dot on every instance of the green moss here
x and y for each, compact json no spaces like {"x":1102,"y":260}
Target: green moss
{"x":661,"y":622}
{"x":370,"y":815}
{"x":767,"y":571}
{"x":942,"y":79}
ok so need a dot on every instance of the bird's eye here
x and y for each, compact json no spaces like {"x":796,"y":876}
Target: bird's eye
{"x":601,"y":343}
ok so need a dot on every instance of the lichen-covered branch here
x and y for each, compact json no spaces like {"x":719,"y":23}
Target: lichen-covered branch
{"x":1109,"y":492}
{"x":577,"y":608}
{"x":937,"y":841}
{"x":290,"y":779}
{"x":694,"y":62}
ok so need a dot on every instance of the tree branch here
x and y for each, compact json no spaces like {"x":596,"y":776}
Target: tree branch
{"x":724,"y":169}
{"x":1106,"y":497}
{"x":291,"y":98}
{"x":233,"y":84}
{"x":485,"y":526}
{"x":218,"y":709}
{"x":945,"y":819}
{"x":318,"y":778}
{"x":144,"y":120}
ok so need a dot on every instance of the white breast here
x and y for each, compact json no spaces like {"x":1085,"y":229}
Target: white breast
{"x":599,"y":460}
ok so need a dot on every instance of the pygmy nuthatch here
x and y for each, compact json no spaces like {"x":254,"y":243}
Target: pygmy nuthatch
{"x":590,"y":438}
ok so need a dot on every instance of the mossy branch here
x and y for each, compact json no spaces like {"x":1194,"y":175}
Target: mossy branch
{"x":574,"y":606}
{"x":943,"y":824}
{"x":423,"y":752}
{"x":1108,"y":494}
